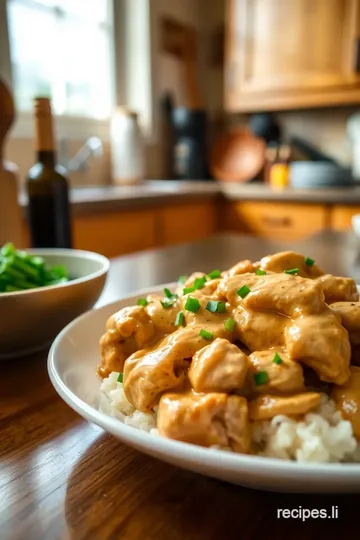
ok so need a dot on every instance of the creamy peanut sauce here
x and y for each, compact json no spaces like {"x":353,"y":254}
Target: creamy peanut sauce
{"x":249,"y":363}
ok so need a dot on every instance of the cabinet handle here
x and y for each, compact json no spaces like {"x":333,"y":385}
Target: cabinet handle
{"x":357,"y":56}
{"x":274,"y":221}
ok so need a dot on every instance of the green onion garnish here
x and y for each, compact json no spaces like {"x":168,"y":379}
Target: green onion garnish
{"x":244,"y":291}
{"x":230,"y":324}
{"x":142,"y":302}
{"x":205,"y":334}
{"x":187,"y":290}
{"x":277,"y":359}
{"x":261,"y":378}
{"x":292,"y":271}
{"x":216,"y":307}
{"x":182,"y":279}
{"x":180,"y":319}
{"x":214,"y":274}
{"x":169,"y":294}
{"x":120,"y":377}
{"x":167,"y":302}
{"x":199,"y":282}
{"x":259,"y":272}
{"x":192,"y":304}
{"x":309,"y":261}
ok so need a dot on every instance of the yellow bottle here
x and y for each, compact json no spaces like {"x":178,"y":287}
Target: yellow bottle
{"x":279,"y":171}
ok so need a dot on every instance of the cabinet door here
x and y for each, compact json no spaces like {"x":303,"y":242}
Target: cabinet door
{"x":187,"y":222}
{"x":277,"y":221}
{"x":291,"y":53}
{"x":341,"y":217}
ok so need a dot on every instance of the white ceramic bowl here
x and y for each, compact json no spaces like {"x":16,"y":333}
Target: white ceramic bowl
{"x":72,"y":363}
{"x":30,"y":319}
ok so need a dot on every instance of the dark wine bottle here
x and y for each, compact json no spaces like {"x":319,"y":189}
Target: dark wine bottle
{"x":47,"y":187}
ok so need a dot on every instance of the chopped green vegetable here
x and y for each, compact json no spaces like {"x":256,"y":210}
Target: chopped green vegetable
{"x":309,"y":261}
{"x":230,"y":324}
{"x":215,"y":306}
{"x":199,"y":282}
{"x":205,"y":334}
{"x":120,"y":377}
{"x":259,"y":272}
{"x":187,"y":290}
{"x":261,"y":378}
{"x":167,"y":302}
{"x":182,"y":279}
{"x":169,"y":294}
{"x":293,"y":271}
{"x":142,"y":302}
{"x":20,"y":270}
{"x":192,"y":304}
{"x":180,"y":319}
{"x":243,"y":291}
{"x":277,"y":359}
{"x":214,"y":274}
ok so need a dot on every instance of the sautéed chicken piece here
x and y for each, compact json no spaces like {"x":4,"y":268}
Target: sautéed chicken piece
{"x":231,"y":348}
{"x":206,"y":419}
{"x":347,"y":399}
{"x":218,"y":367}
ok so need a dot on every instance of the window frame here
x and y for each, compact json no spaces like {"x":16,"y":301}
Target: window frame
{"x":80,"y":127}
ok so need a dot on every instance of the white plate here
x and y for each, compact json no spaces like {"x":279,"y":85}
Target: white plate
{"x":72,"y":367}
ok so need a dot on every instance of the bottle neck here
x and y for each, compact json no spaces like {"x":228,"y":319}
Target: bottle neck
{"x":47,"y":158}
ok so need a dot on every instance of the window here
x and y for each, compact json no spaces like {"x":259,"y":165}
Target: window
{"x":88,"y":55}
{"x":62,"y":49}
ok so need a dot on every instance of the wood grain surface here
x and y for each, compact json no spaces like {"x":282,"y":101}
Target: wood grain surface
{"x":63,"y":478}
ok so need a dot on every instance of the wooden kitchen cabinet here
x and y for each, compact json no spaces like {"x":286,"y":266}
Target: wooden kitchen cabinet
{"x":341,"y":217}
{"x":274,"y":220}
{"x":186,"y":223}
{"x":283,"y":54}
{"x":115,"y":233}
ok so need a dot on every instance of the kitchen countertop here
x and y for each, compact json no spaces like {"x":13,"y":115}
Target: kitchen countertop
{"x":160,"y":192}
{"x":63,"y":477}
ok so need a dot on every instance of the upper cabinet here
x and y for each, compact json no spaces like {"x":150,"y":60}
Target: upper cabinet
{"x":284,"y":54}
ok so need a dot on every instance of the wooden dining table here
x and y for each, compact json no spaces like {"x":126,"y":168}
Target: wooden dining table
{"x":64,"y":478}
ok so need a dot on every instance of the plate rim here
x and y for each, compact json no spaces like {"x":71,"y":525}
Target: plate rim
{"x":191,"y":453}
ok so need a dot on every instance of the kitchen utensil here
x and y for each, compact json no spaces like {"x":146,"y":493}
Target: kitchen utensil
{"x":127,"y":148}
{"x":30,"y":319}
{"x":237,"y":156}
{"x":319,"y":174}
{"x":72,"y":363}
{"x":10,"y":213}
{"x":310,"y":151}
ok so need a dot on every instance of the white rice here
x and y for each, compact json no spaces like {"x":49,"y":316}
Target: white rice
{"x":320,"y":437}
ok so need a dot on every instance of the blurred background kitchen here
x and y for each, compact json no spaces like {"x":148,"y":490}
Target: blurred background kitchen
{"x":176,"y":119}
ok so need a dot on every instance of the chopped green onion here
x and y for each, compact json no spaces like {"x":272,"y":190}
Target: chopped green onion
{"x":230,"y":324}
{"x":180,"y":319}
{"x":277,"y":359}
{"x":182,"y":279}
{"x":167,"y":302}
{"x":169,"y":294}
{"x":292,"y":271}
{"x":120,"y":377}
{"x":244,"y":291}
{"x":261,"y":378}
{"x":216,"y":307}
{"x":192,"y":304}
{"x":142,"y":302}
{"x":187,"y":290}
{"x":214,"y":274}
{"x":309,"y":261}
{"x":259,"y":272}
{"x":205,"y":334}
{"x":199,"y":282}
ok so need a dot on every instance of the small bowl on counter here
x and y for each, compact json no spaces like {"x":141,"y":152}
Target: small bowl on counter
{"x":30,"y":319}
